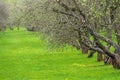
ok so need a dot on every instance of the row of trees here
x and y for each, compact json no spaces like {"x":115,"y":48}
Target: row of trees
{"x":92,"y":25}
{"x":89,"y":19}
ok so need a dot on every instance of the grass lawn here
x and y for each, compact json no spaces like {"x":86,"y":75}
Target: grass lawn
{"x":25,"y":56}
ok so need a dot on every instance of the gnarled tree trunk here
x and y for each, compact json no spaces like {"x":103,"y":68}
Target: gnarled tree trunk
{"x":116,"y":61}
{"x":107,"y":60}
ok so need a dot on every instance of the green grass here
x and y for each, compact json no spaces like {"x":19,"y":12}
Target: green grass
{"x":25,"y":56}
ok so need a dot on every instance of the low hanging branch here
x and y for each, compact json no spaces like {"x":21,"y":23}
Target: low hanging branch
{"x":106,"y":51}
{"x":93,"y":48}
{"x":102,"y":37}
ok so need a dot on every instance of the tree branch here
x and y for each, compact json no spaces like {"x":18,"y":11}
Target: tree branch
{"x":93,"y":48}
{"x":106,"y":51}
{"x":101,"y":37}
{"x":65,"y":13}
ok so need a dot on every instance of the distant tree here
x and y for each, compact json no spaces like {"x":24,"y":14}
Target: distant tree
{"x":28,"y":13}
{"x":3,"y":16}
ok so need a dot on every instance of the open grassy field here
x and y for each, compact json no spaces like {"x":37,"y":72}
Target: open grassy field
{"x":25,"y":56}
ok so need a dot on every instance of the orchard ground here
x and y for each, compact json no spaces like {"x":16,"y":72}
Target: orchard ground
{"x":26,"y":56}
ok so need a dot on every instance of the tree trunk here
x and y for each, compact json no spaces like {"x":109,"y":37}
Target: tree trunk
{"x":116,"y":61}
{"x":84,"y":49}
{"x":91,"y":54}
{"x":99,"y":57}
{"x":107,"y":60}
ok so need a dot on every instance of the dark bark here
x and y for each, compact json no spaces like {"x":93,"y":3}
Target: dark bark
{"x":107,"y":60}
{"x":99,"y":57}
{"x":84,"y":49}
{"x":116,"y":61}
{"x":92,"y":52}
{"x":95,"y":34}
{"x":93,"y":48}
{"x":112,"y":58}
